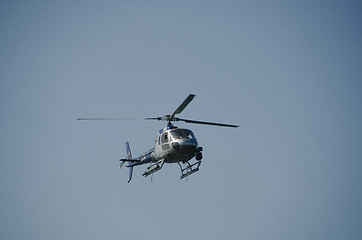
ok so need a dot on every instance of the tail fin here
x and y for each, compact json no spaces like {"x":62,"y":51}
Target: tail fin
{"x":129,"y":156}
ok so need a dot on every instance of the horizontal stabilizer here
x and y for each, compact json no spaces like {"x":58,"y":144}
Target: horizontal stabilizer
{"x":129,"y":160}
{"x":137,"y":163}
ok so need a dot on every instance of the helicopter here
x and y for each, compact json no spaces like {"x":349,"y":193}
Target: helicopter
{"x":172,"y":145}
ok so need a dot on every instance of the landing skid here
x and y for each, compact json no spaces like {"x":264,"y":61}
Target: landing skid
{"x":154,"y":167}
{"x":189,"y":168}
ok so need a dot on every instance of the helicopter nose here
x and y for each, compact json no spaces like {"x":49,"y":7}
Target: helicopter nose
{"x":188,"y":147}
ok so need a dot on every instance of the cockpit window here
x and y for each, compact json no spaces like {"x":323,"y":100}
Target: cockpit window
{"x":182,"y":133}
{"x":164,"y":138}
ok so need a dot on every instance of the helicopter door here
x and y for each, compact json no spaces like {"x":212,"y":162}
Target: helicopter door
{"x":164,"y":141}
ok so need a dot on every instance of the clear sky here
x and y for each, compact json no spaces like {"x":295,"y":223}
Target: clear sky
{"x":288,"y":72}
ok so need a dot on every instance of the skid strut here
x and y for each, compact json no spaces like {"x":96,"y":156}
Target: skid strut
{"x":154,"y":167}
{"x":189,"y":169}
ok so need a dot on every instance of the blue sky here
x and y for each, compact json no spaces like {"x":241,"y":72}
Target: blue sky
{"x":288,"y":72}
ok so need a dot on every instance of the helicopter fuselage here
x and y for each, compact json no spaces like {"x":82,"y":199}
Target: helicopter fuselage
{"x":175,"y":144}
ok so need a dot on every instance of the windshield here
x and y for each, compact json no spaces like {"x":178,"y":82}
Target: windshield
{"x":182,"y":133}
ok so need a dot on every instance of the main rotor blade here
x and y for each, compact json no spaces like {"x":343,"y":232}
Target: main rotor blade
{"x":206,"y":123}
{"x":183,"y":105}
{"x":109,"y":119}
{"x":156,"y":118}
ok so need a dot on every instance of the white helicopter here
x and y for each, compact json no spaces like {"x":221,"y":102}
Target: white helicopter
{"x":172,"y":145}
